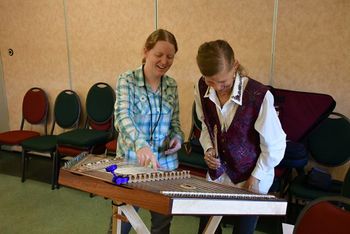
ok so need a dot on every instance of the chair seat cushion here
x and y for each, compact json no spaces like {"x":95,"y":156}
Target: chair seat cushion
{"x":16,"y":137}
{"x":41,"y":143}
{"x":280,"y":171}
{"x":111,"y":145}
{"x":84,"y":138}
{"x":300,"y":188}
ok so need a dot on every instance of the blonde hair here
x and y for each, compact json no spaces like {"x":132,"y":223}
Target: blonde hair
{"x":214,"y":56}
{"x":159,"y":35}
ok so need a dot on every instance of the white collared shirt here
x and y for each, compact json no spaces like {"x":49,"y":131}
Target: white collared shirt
{"x":272,"y":136}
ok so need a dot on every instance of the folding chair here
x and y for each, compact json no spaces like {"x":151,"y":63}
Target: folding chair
{"x":329,"y":146}
{"x":35,"y":107}
{"x":299,"y":113}
{"x":98,"y":129}
{"x":67,"y":111}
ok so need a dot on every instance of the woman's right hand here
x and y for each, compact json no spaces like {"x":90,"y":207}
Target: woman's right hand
{"x":146,"y":157}
{"x":211,"y":159}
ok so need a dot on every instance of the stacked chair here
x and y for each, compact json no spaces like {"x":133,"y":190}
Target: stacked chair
{"x":67,"y":110}
{"x":35,"y":108}
{"x":329,"y":146}
{"x":98,"y":128}
{"x":299,"y":113}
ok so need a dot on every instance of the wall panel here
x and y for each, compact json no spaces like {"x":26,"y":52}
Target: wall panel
{"x":312,"y":49}
{"x":106,"y":38}
{"x":246,"y":25}
{"x":35,"y":32}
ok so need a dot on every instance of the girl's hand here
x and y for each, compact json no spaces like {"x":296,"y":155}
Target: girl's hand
{"x":146,"y":158}
{"x":174,"y":146}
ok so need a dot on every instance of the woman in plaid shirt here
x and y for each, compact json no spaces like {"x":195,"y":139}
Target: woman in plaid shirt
{"x":147,"y":113}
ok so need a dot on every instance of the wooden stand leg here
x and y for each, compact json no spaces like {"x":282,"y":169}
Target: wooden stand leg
{"x":116,"y":222}
{"x":213,"y":224}
{"x":131,"y":215}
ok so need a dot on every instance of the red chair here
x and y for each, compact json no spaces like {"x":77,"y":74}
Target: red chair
{"x":111,"y":147}
{"x":34,"y":112}
{"x":323,"y":216}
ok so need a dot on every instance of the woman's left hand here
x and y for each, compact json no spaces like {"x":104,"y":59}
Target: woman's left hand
{"x":174,"y":146}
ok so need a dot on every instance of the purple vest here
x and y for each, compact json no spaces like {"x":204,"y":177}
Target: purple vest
{"x":239,"y":146}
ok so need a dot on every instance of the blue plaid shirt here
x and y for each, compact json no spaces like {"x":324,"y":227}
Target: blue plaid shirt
{"x":133,"y":117}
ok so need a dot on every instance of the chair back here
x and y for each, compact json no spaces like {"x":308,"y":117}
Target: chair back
{"x":35,"y":107}
{"x":345,"y":191}
{"x":300,"y":112}
{"x":196,"y":122}
{"x":111,"y":147}
{"x":100,"y":107}
{"x":67,"y":109}
{"x":324,"y":215}
{"x":191,"y":154}
{"x":193,"y":143}
{"x":329,"y":143}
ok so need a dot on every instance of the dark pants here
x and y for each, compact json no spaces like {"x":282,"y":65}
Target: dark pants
{"x":243,"y":224}
{"x":160,"y":223}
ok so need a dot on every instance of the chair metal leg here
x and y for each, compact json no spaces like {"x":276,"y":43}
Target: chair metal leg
{"x":23,"y":165}
{"x":57,"y":169}
{"x":53,"y":174}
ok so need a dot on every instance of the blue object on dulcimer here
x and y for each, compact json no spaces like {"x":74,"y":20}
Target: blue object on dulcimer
{"x":120,"y":180}
{"x":117,"y":179}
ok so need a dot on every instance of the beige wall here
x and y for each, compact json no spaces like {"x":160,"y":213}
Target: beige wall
{"x":61,"y":44}
{"x":105,"y":39}
{"x":69,"y":44}
{"x":197,"y":21}
{"x":312,"y":49}
{"x":35,"y":32}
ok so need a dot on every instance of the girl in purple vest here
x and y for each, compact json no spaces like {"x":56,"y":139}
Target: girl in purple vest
{"x":241,"y":134}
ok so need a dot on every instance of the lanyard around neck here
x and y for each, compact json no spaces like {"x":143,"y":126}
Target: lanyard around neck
{"x":153,"y":128}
